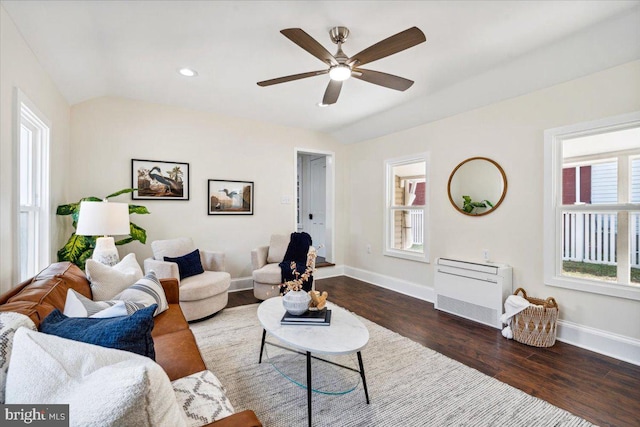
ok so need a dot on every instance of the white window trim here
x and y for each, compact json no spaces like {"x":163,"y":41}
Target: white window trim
{"x":553,"y":205}
{"x":388,"y":175}
{"x":24,"y":108}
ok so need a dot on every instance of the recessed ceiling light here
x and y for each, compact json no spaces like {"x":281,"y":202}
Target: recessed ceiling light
{"x":187,"y":72}
{"x":320,"y":104}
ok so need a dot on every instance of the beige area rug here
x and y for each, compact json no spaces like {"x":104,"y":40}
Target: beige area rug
{"x":409,"y":384}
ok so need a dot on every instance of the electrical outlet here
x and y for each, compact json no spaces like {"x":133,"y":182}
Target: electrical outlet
{"x":485,"y":254}
{"x":285,"y":200}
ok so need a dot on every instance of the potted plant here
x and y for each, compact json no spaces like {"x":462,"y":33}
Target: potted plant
{"x":469,"y":206}
{"x":79,"y":249}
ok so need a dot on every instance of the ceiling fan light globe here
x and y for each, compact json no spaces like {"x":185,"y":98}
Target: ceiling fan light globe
{"x":340,"y":72}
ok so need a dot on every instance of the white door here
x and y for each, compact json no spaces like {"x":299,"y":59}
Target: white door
{"x":317,"y":203}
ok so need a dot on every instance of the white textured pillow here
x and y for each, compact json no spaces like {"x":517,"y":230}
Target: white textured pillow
{"x":107,"y":281}
{"x":172,"y":247}
{"x":278,"y":248}
{"x":202,"y":398}
{"x":147,"y":291}
{"x":78,"y":305}
{"x":9,"y":324}
{"x":102,"y":386}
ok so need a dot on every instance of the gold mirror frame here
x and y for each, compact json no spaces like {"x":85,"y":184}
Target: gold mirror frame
{"x":504,"y":189}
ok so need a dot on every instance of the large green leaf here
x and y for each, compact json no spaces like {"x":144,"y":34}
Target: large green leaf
{"x":125,"y":241}
{"x":138,"y":233}
{"x":136,"y":209}
{"x":123,"y":191}
{"x":75,"y":248}
{"x":91,"y":199}
{"x":67,"y":209}
{"x":81,"y":261}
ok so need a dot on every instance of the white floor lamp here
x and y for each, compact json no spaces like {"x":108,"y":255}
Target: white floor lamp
{"x":104,"y":219}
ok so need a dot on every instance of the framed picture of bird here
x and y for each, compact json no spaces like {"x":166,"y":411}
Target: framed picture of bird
{"x":230,"y":197}
{"x":159,"y":180}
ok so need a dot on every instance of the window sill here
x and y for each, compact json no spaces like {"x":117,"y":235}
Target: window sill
{"x":412,"y":256}
{"x":595,"y":287}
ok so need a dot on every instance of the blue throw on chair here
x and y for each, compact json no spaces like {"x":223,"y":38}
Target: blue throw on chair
{"x":297,"y":252}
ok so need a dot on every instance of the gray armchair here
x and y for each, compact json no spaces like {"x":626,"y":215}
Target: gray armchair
{"x":201,"y":295}
{"x":265,"y":262}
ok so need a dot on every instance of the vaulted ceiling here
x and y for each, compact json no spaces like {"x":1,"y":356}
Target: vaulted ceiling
{"x":477,"y":52}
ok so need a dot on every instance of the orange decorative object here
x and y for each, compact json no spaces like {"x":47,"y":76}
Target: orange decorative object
{"x":318,"y":300}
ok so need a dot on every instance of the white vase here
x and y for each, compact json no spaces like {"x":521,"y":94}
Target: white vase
{"x":296,"y":302}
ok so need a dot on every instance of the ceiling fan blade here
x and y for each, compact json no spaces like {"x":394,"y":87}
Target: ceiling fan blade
{"x":382,"y":79}
{"x":332,"y":93}
{"x":389,"y":46}
{"x":291,"y":78}
{"x":309,"y":44}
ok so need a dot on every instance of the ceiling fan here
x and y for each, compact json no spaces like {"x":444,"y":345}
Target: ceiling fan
{"x":341,"y":67}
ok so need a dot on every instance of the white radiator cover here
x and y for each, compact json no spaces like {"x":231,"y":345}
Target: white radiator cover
{"x":472,"y":290}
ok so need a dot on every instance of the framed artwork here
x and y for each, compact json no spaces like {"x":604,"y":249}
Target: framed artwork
{"x":230,"y":197}
{"x":159,"y":180}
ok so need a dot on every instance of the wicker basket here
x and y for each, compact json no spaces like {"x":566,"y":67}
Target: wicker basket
{"x":536,"y":324}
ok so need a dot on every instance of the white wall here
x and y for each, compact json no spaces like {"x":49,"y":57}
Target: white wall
{"x":107,"y":133}
{"x":511,"y":133}
{"x":21,"y":69}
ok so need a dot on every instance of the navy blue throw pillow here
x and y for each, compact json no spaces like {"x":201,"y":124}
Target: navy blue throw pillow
{"x":130,"y":333}
{"x":188,"y":265}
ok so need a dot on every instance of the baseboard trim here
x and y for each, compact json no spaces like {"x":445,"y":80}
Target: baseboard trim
{"x":607,"y":343}
{"x":331,"y":271}
{"x":241,"y":284}
{"x":392,"y":283}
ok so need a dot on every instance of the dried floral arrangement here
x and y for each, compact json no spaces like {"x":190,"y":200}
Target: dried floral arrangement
{"x":296,"y":284}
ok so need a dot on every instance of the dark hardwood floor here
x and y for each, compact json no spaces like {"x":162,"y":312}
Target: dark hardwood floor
{"x":600,"y":389}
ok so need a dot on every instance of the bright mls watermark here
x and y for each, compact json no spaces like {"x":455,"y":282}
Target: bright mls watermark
{"x":34,"y":415}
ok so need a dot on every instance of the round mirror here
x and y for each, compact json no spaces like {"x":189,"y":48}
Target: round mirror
{"x":477,"y":186}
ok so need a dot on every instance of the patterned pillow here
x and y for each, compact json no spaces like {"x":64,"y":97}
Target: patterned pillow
{"x":9,"y":323}
{"x":202,"y":398}
{"x":188,"y":265}
{"x":78,"y":305}
{"x":128,"y":333}
{"x":147,"y":290}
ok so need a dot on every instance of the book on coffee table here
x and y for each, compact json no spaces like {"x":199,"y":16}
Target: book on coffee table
{"x":320,"y":317}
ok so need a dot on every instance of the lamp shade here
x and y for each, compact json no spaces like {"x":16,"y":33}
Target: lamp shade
{"x":103,"y":219}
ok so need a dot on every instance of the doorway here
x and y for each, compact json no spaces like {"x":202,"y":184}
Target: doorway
{"x":314,"y":201}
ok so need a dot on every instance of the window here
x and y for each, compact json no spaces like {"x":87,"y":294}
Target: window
{"x":33,"y":189}
{"x":406,"y":208}
{"x":592,"y":207}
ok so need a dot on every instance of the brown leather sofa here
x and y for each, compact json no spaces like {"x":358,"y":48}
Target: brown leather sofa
{"x":175,"y":345}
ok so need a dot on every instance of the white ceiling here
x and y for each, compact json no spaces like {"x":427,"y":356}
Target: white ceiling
{"x":477,"y":52}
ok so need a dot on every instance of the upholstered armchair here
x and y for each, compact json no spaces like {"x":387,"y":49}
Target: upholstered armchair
{"x":265,"y":260}
{"x":203,"y":283}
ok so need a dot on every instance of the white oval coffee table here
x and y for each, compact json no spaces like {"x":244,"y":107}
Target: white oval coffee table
{"x":345,"y":335}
